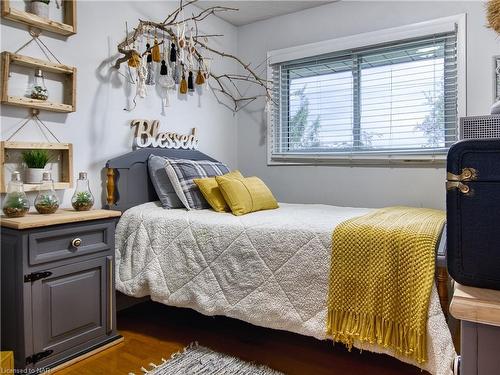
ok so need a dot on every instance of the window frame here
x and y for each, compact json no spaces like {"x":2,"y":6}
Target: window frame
{"x":392,"y":35}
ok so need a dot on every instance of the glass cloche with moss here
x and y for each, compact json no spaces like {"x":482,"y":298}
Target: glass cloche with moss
{"x":16,"y":203}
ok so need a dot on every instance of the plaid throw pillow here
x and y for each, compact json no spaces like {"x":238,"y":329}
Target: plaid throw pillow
{"x":181,"y":173}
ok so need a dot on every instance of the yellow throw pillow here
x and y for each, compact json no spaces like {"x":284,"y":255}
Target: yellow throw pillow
{"x":244,"y":195}
{"x":210,"y":190}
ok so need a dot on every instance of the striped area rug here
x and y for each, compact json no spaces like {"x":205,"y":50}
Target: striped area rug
{"x":199,"y":360}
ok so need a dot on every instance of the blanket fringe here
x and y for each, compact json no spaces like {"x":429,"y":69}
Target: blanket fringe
{"x":348,"y":326}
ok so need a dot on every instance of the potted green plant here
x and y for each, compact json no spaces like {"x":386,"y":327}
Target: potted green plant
{"x":40,"y":8}
{"x":35,"y":161}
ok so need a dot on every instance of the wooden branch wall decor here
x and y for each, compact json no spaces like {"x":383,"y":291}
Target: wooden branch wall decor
{"x":146,"y":134}
{"x":185,"y":59}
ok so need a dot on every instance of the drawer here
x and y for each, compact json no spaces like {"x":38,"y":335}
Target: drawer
{"x":70,"y":241}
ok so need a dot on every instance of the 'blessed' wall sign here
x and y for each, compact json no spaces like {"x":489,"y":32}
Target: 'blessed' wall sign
{"x":146,"y":134}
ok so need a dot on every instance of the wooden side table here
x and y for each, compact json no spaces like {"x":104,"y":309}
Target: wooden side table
{"x":58,"y":286}
{"x":479,"y":313}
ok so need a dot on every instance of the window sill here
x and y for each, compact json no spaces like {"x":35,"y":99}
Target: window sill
{"x":393,"y":161}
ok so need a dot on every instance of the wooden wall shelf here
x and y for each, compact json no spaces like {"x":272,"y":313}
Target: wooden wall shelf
{"x":66,"y":160}
{"x":69,"y":104}
{"x":68,"y":27}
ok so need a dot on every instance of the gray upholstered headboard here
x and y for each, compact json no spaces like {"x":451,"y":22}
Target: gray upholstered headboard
{"x":128,"y":183}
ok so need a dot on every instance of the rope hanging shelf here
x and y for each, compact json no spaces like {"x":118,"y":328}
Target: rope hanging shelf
{"x":68,"y":72}
{"x":66,"y":28}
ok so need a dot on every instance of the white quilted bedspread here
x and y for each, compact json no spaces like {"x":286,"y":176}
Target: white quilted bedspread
{"x":268,"y":268}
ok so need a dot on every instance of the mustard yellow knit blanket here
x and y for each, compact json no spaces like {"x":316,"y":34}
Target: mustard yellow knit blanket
{"x":381,"y":276}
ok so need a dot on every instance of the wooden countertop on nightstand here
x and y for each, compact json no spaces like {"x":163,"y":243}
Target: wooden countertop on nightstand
{"x":63,"y":216}
{"x":476,"y":305}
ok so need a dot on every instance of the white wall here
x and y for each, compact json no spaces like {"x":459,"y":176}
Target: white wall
{"x":100,"y":128}
{"x":358,"y":186}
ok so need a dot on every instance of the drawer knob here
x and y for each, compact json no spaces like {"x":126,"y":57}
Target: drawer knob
{"x":76,"y":242}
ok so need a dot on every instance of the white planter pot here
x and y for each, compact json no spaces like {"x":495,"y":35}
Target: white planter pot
{"x":34,"y":175}
{"x":40,"y":9}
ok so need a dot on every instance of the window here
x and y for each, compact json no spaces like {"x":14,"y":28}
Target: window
{"x":380,"y":101}
{"x":497,"y":77}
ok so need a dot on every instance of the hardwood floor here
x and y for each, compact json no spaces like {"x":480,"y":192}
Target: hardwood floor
{"x":153,"y":331}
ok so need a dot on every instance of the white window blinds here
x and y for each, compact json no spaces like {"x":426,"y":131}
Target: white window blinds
{"x":395,"y":98}
{"x":497,"y":78}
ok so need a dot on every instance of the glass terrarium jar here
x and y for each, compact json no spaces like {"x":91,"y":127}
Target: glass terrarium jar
{"x":46,"y":202}
{"x":16,"y":203}
{"x":38,"y":89}
{"x":82,"y":199}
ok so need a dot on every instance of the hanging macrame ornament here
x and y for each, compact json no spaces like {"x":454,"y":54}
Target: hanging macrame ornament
{"x":150,"y":76}
{"x":142,"y":72}
{"x":181,"y":34}
{"x":183,"y":87}
{"x":173,"y":53}
{"x":175,"y":74}
{"x":190,"y":81}
{"x":166,"y":83}
{"x":200,"y":80}
{"x":155,"y":52}
{"x":206,"y":70}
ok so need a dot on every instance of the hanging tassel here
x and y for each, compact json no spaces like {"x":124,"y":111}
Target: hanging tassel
{"x":163,"y":68}
{"x":173,"y":53}
{"x":190,"y":81}
{"x":135,"y":60}
{"x":183,"y":87}
{"x":155,"y":52}
{"x":200,"y":80}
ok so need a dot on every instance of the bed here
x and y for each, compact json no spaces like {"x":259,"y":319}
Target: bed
{"x":268,"y":268}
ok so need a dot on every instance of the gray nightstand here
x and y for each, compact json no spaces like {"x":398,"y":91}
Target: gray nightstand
{"x":58,"y":287}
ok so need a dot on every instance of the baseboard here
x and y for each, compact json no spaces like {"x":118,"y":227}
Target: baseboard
{"x":81,"y":356}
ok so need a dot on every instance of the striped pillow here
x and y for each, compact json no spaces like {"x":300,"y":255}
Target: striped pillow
{"x":181,"y":173}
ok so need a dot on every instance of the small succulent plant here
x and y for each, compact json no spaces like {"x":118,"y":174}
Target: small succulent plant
{"x":46,"y":204}
{"x":82,"y":201}
{"x":38,"y":92}
{"x":16,"y":205}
